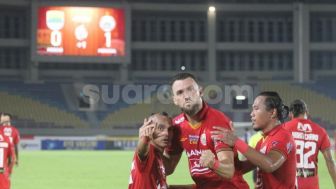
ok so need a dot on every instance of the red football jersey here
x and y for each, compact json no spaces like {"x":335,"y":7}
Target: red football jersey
{"x":149,"y":173}
{"x":285,"y":176}
{"x":309,"y":139}
{"x":6,"y":152}
{"x":14,"y":136}
{"x":195,"y":139}
{"x":12,"y":133}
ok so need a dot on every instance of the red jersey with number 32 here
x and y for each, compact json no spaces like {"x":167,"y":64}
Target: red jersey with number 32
{"x":149,"y":173}
{"x":195,"y":139}
{"x":278,"y":139}
{"x":309,"y":138}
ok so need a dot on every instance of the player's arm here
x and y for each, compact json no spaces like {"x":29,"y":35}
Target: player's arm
{"x":170,"y":162}
{"x":245,"y":166}
{"x":17,"y":154}
{"x":266,"y":162}
{"x":224,"y":166}
{"x":330,"y":164}
{"x":16,"y":141}
{"x":12,"y":157}
{"x":145,"y":135}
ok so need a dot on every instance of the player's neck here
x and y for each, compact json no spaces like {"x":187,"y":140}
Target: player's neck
{"x":270,"y":127}
{"x":301,"y":116}
{"x":191,"y":120}
{"x":195,"y":119}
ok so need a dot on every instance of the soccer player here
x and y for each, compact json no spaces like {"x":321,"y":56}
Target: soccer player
{"x":310,"y":138}
{"x":148,"y":170}
{"x":10,"y":131}
{"x":6,"y":161}
{"x":211,"y":163}
{"x":275,"y":152}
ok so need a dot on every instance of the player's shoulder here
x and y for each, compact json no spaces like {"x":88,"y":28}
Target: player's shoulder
{"x":179,"y":119}
{"x":290,"y":125}
{"x":218,"y":115}
{"x":284,"y":133}
{"x":282,"y":129}
{"x":315,"y":126}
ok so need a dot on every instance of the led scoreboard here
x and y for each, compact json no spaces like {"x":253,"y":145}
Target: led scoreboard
{"x":80,"y":34}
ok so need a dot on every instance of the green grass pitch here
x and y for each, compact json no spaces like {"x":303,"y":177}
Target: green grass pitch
{"x":96,"y":170}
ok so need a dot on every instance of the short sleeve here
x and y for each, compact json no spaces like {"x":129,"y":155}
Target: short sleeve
{"x":283,"y":145}
{"x":219,"y":145}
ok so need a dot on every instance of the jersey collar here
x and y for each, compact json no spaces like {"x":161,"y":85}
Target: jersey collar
{"x":273,"y":131}
{"x":300,"y":119}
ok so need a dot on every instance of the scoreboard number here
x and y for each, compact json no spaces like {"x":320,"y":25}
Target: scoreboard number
{"x":56,"y":38}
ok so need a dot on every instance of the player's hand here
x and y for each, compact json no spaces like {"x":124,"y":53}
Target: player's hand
{"x":207,"y":159}
{"x":146,"y":131}
{"x":224,"y":135}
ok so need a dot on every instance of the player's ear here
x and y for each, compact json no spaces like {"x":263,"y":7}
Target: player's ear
{"x":201,"y":90}
{"x":174,"y":99}
{"x":274,"y":113}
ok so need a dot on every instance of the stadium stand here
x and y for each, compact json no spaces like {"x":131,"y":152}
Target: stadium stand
{"x":133,"y":115}
{"x":42,"y":113}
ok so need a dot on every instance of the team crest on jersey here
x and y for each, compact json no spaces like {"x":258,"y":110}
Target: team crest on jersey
{"x":289,"y":147}
{"x":275,"y":143}
{"x":203,"y":139}
{"x":193,"y":139}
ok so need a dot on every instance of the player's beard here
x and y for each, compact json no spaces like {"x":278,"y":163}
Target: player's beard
{"x":193,"y":110}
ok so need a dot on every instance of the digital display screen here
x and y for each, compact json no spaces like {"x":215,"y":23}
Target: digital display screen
{"x":80,"y":31}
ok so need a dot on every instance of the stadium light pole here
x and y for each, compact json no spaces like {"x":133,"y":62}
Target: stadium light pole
{"x":212,"y":44}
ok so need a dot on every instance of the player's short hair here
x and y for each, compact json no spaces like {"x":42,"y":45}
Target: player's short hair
{"x":7,"y":114}
{"x":274,"y":101}
{"x":298,"y":107}
{"x":182,"y":76}
{"x":165,"y":114}
{"x":161,"y":113}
